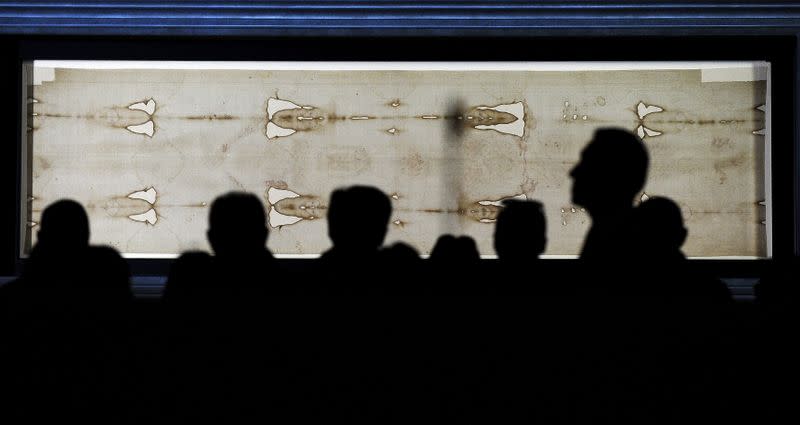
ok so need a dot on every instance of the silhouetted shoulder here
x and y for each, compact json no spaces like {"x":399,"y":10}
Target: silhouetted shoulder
{"x":107,"y":274}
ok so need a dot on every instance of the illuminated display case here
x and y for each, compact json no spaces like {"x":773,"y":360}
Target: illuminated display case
{"x":405,"y":38}
{"x":146,"y":146}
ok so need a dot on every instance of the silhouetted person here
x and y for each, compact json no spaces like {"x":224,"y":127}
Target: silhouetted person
{"x":520,"y":237}
{"x":69,"y":320}
{"x":660,"y":233}
{"x":64,"y":268}
{"x":241,"y":266}
{"x":520,"y":233}
{"x":217,"y":309}
{"x":689,"y":310}
{"x":402,"y":253}
{"x":358,"y":219}
{"x":59,"y":254}
{"x":459,"y":259}
{"x":237,"y":226}
{"x":190,"y":273}
{"x":32,"y":312}
{"x":40,"y":303}
{"x":56,"y":265}
{"x":64,"y":225}
{"x":64,"y":275}
{"x":660,"y":230}
{"x":451,"y":250}
{"x":406,"y":265}
{"x":612,"y":170}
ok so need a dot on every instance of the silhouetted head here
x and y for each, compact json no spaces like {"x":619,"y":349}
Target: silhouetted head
{"x":237,"y":225}
{"x":64,"y":227}
{"x":191,"y":274}
{"x":401,"y":253}
{"x":520,"y":231}
{"x":659,"y":226}
{"x":358,"y":218}
{"x":612,"y":169}
{"x":451,"y":250}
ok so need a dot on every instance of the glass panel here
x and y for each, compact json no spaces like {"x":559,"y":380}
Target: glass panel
{"x":147,"y":146}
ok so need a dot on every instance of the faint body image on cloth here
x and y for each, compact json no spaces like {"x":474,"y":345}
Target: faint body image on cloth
{"x":146,"y":146}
